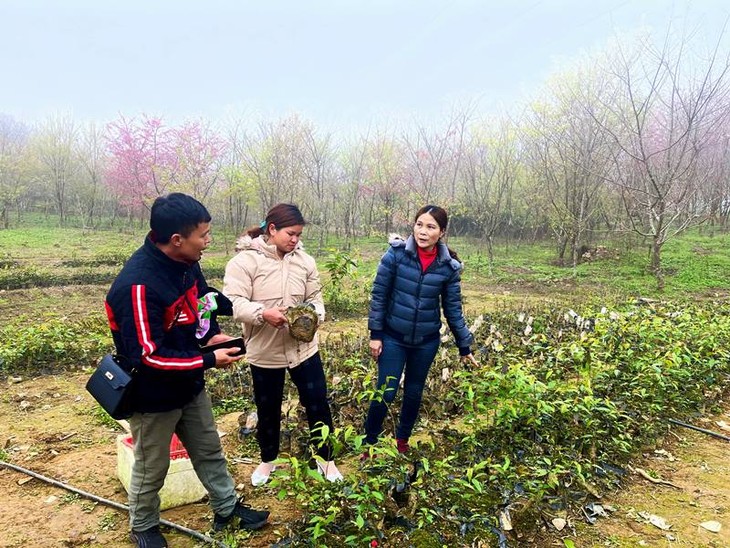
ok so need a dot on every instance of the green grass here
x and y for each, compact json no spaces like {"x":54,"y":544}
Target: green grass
{"x":694,"y":263}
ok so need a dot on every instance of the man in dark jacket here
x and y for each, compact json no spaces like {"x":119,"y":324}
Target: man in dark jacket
{"x":161,"y":311}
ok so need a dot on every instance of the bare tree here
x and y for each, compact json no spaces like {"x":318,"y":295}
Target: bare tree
{"x":347,"y":194}
{"x":714,"y":194}
{"x":54,"y":147}
{"x":569,"y":158}
{"x":434,"y":157}
{"x":271,"y":158}
{"x":385,"y":185}
{"x":668,"y":102}
{"x":316,"y":159}
{"x":13,"y":165}
{"x":239,"y":189}
{"x":88,"y":193}
{"x":490,"y":167}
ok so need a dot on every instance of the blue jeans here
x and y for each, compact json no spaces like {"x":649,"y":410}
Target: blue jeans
{"x":395,"y":356}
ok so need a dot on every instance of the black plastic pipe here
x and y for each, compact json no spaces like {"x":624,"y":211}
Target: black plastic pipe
{"x":704,"y":431}
{"x":113,"y":504}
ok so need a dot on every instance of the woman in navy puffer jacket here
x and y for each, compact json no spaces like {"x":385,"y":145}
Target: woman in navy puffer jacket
{"x":416,"y":279}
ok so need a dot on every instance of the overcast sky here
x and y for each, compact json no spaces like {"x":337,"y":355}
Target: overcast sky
{"x":337,"y":63}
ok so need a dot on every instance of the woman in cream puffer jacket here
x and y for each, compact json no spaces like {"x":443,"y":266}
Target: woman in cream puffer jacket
{"x":271,"y":273}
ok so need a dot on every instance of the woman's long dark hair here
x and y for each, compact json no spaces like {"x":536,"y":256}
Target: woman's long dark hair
{"x":281,"y":216}
{"x":441,"y":217}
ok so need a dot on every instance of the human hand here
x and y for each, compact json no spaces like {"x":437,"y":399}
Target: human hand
{"x":469,"y":358}
{"x":376,"y":348}
{"x":219,"y":338}
{"x":275,"y":316}
{"x":224,"y":357}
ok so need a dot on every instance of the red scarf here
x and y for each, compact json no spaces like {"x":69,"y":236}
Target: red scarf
{"x":427,"y":257}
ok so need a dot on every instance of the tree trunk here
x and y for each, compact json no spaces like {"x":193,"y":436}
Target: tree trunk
{"x":656,"y":262}
{"x":490,"y":253}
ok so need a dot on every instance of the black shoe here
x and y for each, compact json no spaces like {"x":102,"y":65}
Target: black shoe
{"x":247,"y":518}
{"x":149,"y":538}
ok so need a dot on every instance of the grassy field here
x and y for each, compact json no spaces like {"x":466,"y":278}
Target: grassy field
{"x":695,"y":264}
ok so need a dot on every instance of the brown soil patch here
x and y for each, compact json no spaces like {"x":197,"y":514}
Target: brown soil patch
{"x":698,"y":465}
{"x":50,"y":427}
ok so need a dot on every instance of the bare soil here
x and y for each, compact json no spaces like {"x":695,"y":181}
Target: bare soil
{"x":49,"y":425}
{"x":698,"y":468}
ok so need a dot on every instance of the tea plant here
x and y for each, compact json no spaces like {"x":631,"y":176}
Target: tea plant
{"x":47,"y":343}
{"x":344,"y":293}
{"x":559,"y":404}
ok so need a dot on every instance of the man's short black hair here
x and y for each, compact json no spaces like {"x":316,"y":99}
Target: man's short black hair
{"x":176,"y":213}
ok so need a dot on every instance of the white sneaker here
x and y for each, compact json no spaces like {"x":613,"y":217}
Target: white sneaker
{"x":261,"y":475}
{"x":329,"y":470}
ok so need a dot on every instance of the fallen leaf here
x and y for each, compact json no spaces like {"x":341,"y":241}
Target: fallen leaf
{"x":656,"y":521}
{"x":505,"y":521}
{"x":646,"y":476}
{"x":712,"y":526}
{"x":663,"y":453}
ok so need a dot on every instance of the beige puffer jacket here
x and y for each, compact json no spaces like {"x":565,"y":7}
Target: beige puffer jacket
{"x":257,"y":279}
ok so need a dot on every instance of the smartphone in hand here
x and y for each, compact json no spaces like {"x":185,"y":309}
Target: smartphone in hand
{"x":230,"y":343}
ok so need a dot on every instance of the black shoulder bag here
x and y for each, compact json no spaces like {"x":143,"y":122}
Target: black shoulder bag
{"x":111,"y":386}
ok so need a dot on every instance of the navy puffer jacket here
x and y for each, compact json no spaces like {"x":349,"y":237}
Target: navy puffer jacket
{"x":406,"y":302}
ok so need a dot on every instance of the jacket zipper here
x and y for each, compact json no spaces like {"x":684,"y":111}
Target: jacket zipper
{"x":418,"y":294}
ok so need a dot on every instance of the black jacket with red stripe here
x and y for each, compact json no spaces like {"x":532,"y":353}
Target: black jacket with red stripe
{"x":152,"y":308}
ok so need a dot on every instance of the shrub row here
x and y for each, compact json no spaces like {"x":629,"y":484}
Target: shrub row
{"x":24,"y":277}
{"x":560,"y":403}
{"x":52,"y":344}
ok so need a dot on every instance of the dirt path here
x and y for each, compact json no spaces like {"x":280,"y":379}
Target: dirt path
{"x":48,"y":425}
{"x":698,"y":467}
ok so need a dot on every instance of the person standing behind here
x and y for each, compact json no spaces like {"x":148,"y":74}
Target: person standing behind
{"x":154,"y":307}
{"x":270,"y":273}
{"x":416,"y":278}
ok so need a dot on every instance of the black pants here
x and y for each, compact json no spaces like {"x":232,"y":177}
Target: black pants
{"x":268,"y":390}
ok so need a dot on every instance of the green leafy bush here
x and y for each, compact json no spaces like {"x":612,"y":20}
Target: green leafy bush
{"x":37,"y":345}
{"x":23,"y":277}
{"x":344,"y":292}
{"x":560,"y":403}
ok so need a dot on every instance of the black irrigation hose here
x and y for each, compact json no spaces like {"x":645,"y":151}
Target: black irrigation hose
{"x":704,"y":431}
{"x":113,"y":504}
